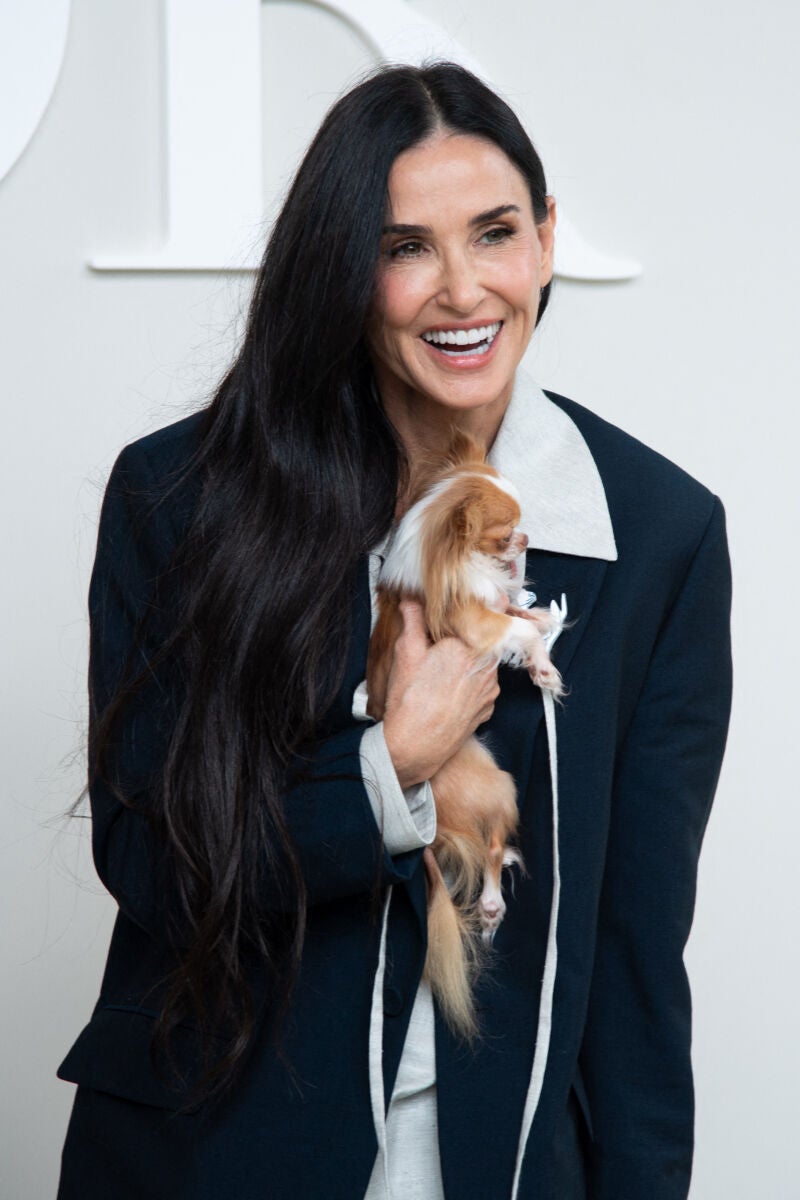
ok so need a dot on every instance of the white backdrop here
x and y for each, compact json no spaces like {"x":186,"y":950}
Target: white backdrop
{"x":670,"y":134}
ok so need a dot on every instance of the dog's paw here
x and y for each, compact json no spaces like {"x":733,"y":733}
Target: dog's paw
{"x":491,"y":909}
{"x":489,"y":927}
{"x":548,"y":678}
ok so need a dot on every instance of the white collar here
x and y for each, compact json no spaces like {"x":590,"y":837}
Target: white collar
{"x":542,"y":451}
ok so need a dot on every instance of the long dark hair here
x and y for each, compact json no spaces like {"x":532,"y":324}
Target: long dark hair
{"x":299,"y":471}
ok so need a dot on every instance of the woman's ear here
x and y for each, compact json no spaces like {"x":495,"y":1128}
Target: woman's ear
{"x":546,"y":231}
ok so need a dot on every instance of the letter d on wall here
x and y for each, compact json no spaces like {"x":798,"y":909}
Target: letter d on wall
{"x":215,"y":205}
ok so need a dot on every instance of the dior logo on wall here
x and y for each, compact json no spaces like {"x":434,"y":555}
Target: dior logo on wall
{"x":213,"y":158}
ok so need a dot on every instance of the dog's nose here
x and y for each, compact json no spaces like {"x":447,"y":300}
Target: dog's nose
{"x":523,"y":540}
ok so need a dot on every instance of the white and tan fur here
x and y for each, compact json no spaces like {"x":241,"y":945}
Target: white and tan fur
{"x":455,"y":551}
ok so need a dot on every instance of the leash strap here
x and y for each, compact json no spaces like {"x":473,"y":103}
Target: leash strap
{"x":551,"y":957}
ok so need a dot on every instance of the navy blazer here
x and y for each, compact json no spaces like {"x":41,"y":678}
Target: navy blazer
{"x":641,"y":736}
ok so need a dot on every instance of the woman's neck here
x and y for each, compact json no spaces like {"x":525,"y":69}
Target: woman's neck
{"x":425,"y":427}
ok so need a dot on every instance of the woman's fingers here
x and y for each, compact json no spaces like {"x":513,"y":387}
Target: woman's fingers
{"x":437,"y":696}
{"x":413,"y":621}
{"x":413,"y":643}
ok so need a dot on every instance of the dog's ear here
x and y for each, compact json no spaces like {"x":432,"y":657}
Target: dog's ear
{"x":451,"y":527}
{"x":464,"y":448}
{"x":468,"y":520}
{"x":455,"y":519}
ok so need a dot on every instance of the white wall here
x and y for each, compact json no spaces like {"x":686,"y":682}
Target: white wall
{"x":670,"y":133}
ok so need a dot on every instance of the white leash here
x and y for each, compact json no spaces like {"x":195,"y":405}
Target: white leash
{"x":550,"y":961}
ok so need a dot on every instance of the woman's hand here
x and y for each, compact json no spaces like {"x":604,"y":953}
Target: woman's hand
{"x":437,"y":696}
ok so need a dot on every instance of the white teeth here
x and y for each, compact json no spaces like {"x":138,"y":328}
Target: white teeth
{"x":463,"y":337}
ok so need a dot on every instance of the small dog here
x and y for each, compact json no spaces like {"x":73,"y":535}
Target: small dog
{"x":455,"y":551}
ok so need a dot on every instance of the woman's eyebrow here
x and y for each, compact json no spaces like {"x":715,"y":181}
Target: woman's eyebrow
{"x":483,"y":218}
{"x":408,"y":230}
{"x":493,"y":213}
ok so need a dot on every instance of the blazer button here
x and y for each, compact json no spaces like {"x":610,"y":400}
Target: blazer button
{"x":393,"y":1001}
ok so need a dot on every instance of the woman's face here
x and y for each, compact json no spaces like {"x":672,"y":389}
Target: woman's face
{"x":457,"y":287}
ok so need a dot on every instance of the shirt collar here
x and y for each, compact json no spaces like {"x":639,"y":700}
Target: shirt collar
{"x":542,"y":452}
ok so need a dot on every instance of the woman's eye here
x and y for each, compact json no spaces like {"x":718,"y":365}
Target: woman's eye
{"x":494,"y":236}
{"x":406,"y":250}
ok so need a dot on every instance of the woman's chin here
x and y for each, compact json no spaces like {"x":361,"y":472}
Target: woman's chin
{"x":475,"y":390}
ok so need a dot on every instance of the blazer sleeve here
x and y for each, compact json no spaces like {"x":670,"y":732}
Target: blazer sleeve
{"x":635,"y":1056}
{"x":330,"y":819}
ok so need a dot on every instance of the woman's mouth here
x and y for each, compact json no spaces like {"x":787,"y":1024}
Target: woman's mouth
{"x":463,"y":344}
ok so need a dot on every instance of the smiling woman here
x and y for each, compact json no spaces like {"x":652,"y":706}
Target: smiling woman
{"x":264,"y":1024}
{"x":464,"y":259}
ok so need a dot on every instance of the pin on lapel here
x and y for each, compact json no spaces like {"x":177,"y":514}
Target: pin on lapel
{"x":559,"y":615}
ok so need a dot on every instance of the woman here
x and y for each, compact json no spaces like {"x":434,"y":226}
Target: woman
{"x":262,"y":1005}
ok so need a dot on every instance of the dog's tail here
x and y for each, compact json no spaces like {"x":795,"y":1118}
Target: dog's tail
{"x":454,"y":954}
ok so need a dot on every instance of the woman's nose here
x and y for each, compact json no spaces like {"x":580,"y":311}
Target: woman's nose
{"x":461,"y":288}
